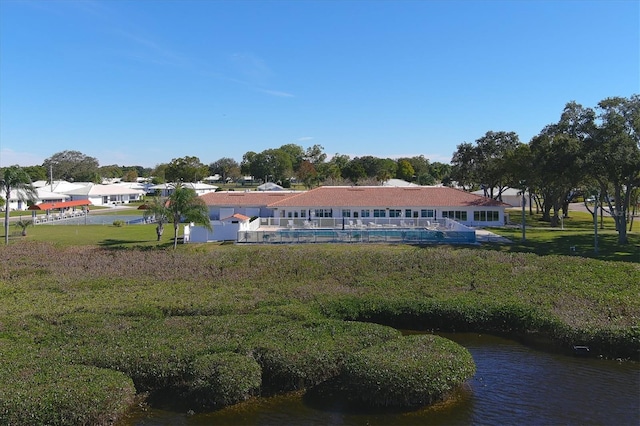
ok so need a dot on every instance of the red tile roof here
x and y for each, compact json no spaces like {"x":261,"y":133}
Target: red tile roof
{"x":380,"y":196}
{"x":60,"y":205}
{"x":237,"y":216}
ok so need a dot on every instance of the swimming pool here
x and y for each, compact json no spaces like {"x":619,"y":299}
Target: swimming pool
{"x":379,"y":235}
{"x":97,"y":220}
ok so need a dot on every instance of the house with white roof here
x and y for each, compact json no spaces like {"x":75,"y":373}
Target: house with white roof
{"x":511,"y":196}
{"x":105,"y":195}
{"x":17,"y":197}
{"x":165,"y":189}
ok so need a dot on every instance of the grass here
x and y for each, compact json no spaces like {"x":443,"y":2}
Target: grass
{"x":127,"y":236}
{"x":540,"y":238}
{"x":578,"y":232}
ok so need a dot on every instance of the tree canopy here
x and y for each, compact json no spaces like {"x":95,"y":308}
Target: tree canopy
{"x":72,"y":166}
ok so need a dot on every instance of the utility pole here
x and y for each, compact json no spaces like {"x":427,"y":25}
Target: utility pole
{"x":524,"y":223}
{"x":595,"y":224}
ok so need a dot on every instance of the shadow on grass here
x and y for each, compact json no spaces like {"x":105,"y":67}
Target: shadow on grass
{"x":129,"y":244}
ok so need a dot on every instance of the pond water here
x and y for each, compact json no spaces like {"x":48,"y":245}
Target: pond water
{"x":514,"y":385}
{"x":98,"y":220}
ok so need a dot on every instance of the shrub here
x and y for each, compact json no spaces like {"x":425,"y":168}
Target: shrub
{"x":223,"y":379}
{"x":300,"y":355}
{"x":118,"y":223}
{"x":407,"y":372}
{"x":39,"y":388}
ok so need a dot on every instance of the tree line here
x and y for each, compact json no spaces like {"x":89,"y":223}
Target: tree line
{"x":589,"y":152}
{"x":282,"y":165}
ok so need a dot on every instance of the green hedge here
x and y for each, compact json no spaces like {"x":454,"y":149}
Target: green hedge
{"x":223,"y":379}
{"x":300,"y":355}
{"x":39,"y":388}
{"x":408,"y":372}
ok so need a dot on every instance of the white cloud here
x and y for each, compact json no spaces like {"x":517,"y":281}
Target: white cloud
{"x":9,"y":157}
{"x":276,"y":93}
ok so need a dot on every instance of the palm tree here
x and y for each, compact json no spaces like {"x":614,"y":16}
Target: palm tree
{"x":23,"y":225}
{"x":15,"y":178}
{"x":157,"y":210}
{"x":182,"y":204}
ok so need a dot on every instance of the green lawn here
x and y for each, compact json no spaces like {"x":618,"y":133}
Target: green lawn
{"x":130,"y":236}
{"x":577,"y":232}
{"x":541,"y":239}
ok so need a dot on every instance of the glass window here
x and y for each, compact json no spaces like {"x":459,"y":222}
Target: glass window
{"x":346,"y":212}
{"x":427,"y":213}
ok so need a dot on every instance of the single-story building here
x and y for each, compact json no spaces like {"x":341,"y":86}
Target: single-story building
{"x":105,"y":195}
{"x":224,"y":204}
{"x":391,"y":205}
{"x":354,"y":207}
{"x":165,"y":189}
{"x":17,"y":197}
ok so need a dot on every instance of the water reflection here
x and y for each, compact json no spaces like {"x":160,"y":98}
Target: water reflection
{"x":513,"y":385}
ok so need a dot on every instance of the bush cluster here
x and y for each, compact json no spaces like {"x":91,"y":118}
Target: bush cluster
{"x":408,"y":372}
{"x":40,"y":388}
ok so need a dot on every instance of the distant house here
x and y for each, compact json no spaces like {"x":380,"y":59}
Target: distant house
{"x":248,"y":203}
{"x":398,"y":182}
{"x":16,"y":198}
{"x":269,"y":186}
{"x":105,"y":195}
{"x":510,"y":196}
{"x":165,"y":189}
{"x":60,"y":186}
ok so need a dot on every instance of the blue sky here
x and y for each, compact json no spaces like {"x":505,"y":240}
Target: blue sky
{"x":142,"y":82}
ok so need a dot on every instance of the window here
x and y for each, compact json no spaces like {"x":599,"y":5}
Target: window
{"x":395,"y":213}
{"x":303,"y":213}
{"x":427,"y":213}
{"x":486,"y":216}
{"x":365,"y":213}
{"x":346,"y":212}
{"x":324,"y":213}
{"x":379,"y":213}
{"x":407,"y":213}
{"x":455,"y":214}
